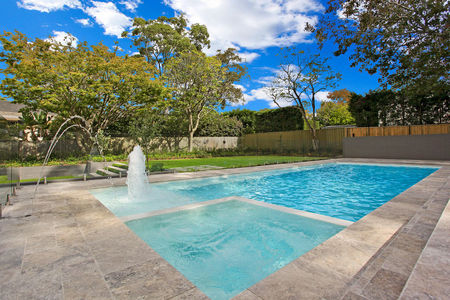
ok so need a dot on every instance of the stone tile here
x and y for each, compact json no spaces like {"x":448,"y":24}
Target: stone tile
{"x":373,"y":230}
{"x":193,"y":293}
{"x":82,"y":280}
{"x":385,"y":285}
{"x":41,"y":262}
{"x":358,"y":286}
{"x":45,"y":285}
{"x":11,"y":258}
{"x":409,"y":243}
{"x":68,"y":235}
{"x":353,"y":296}
{"x":246,"y":295}
{"x":154,"y":279}
{"x":120,"y":253}
{"x":108,"y":228}
{"x":428,"y":282}
{"x":342,"y":255}
{"x":93,"y":215}
{"x":38,"y":243}
{"x":401,"y":262}
{"x":301,"y":280}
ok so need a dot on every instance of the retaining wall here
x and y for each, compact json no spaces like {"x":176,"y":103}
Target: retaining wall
{"x":432,"y":147}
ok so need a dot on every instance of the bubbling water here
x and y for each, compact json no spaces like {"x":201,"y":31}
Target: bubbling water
{"x":137,"y":180}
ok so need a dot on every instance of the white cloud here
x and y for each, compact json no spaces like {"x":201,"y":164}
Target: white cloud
{"x":131,"y":5}
{"x":48,"y":5}
{"x":109,"y":17}
{"x":84,"y":22}
{"x":251,"y":24}
{"x":248,"y":57}
{"x":322,"y":96}
{"x":257,"y":94}
{"x":63,"y":38}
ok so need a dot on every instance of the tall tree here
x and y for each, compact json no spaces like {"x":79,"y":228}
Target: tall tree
{"x":299,"y":80}
{"x":88,"y":81}
{"x":406,"y":41}
{"x":199,"y":83}
{"x":340,"y":96}
{"x":162,"y":38}
{"x":334,"y":113}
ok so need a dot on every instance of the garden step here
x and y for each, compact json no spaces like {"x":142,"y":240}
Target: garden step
{"x":117,"y":170}
{"x":94,"y":175}
{"x":121,"y":166}
{"x":104,"y":172}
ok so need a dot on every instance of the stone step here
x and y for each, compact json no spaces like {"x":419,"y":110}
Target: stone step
{"x":117,"y":170}
{"x":103,"y":172}
{"x":121,"y":166}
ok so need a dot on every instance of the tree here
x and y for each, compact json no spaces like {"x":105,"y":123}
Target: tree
{"x":216,"y":124}
{"x":86,"y":81}
{"x":299,"y":80}
{"x":160,"y":39}
{"x":198,"y":83}
{"x":406,"y":41}
{"x":340,"y":96}
{"x":334,"y":113}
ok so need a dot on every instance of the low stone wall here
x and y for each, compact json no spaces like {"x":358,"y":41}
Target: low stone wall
{"x":428,"y":147}
{"x":52,"y":171}
{"x":13,"y":149}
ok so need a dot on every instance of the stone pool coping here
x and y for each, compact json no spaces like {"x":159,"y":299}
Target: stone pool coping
{"x":288,"y":210}
{"x":73,"y":247}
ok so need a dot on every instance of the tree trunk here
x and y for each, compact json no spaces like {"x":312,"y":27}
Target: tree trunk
{"x":315,"y":140}
{"x":190,"y":138}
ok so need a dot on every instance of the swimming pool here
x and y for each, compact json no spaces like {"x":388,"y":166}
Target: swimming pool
{"x":344,"y":191}
{"x":227,"y":247}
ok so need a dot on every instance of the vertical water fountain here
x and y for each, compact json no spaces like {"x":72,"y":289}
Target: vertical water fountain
{"x":137,"y":180}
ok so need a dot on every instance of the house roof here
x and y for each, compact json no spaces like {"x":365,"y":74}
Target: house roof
{"x":10,"y":111}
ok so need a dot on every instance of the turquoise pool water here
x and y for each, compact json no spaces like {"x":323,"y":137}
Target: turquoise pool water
{"x":345,"y":191}
{"x":227,"y":247}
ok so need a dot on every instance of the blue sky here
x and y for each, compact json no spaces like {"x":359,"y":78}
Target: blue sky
{"x":258,"y":28}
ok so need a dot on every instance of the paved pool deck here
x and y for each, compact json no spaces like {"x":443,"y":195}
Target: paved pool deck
{"x":65,"y":244}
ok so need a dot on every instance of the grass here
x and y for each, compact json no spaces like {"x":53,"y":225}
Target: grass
{"x":233,"y":161}
{"x":224,"y":161}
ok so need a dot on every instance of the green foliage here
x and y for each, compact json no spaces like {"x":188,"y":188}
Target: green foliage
{"x":198,"y":84}
{"x":333,"y":113}
{"x":246,"y":117}
{"x":160,"y":39}
{"x":299,"y":80}
{"x":398,"y":108}
{"x":269,"y":120}
{"x":157,"y":167}
{"x":280,"y":119}
{"x":215,"y":124}
{"x":88,"y":81}
{"x":405,"y":41}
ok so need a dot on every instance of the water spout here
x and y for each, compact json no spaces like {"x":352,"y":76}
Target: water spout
{"x":137,"y":180}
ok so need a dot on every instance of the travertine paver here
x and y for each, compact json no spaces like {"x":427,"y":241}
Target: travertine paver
{"x":431,"y":276}
{"x":66,"y":244}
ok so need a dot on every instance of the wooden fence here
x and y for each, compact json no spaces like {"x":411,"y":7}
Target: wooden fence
{"x":330,"y":140}
{"x":398,"y":130}
{"x":299,"y":141}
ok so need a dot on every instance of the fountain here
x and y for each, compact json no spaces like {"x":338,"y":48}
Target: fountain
{"x":55,"y":140}
{"x":137,"y":180}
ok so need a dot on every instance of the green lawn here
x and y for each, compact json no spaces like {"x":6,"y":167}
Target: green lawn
{"x":233,"y":161}
{"x":225,"y":162}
